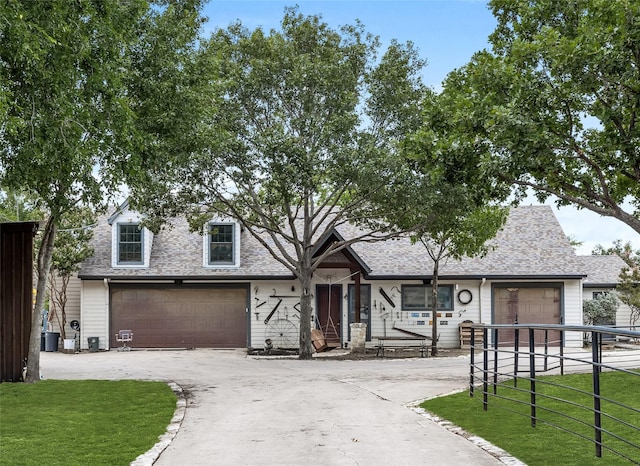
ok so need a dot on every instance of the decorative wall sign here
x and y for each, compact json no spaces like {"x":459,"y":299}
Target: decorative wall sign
{"x":465,"y":296}
{"x":448,"y":314}
{"x":444,"y":322}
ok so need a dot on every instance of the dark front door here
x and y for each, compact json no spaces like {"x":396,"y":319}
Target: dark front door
{"x":365,"y":307}
{"x":329,"y":311}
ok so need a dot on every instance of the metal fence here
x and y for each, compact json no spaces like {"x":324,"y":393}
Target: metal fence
{"x":509,"y":368}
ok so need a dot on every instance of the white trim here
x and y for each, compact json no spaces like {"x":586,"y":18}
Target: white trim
{"x":236,"y":245}
{"x":133,"y":218}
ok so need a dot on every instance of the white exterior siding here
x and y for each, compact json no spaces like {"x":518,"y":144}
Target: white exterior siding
{"x":94,"y":315}
{"x":72,"y":308}
{"x":94,"y":310}
{"x":573,"y":311}
{"x":383,"y":316}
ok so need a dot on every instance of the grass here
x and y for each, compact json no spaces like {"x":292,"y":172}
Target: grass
{"x":507,"y":424}
{"x":69,"y":422}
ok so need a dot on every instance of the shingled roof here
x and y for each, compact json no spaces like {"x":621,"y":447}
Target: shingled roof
{"x":530,"y":245}
{"x":602,"y":271}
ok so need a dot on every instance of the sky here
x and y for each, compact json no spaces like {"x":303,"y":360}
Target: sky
{"x":446,"y":33}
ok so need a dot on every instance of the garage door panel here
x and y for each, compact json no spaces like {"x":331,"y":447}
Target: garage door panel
{"x":527,"y":306}
{"x":181,"y":317}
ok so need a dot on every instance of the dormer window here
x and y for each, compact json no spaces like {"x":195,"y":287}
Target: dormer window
{"x":221,"y":244}
{"x":130,"y":244}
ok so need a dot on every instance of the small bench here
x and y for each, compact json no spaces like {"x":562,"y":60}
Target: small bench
{"x":420,"y":342}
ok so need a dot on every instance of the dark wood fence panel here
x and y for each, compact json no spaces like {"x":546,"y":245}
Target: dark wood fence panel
{"x":16,"y":295}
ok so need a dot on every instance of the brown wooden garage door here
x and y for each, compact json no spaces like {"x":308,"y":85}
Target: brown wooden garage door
{"x":180,"y":317}
{"x":527,"y":305}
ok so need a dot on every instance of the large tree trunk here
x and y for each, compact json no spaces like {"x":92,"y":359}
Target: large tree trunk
{"x":434,"y":307}
{"x":306,"y":351}
{"x":44,"y":264}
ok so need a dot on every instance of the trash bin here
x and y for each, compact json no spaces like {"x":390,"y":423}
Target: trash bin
{"x":94,"y":344}
{"x":43,"y":346}
{"x":51,"y":341}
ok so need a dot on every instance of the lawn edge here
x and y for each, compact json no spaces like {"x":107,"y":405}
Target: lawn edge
{"x":150,"y":456}
{"x":495,"y":451}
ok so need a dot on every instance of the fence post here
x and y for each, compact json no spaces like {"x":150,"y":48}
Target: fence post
{"x":546,"y":349}
{"x":597,"y":359}
{"x":485,"y":370}
{"x":472,"y":363}
{"x":532,"y":375}
{"x":516,"y":356}
{"x":561,"y":352}
{"x":495,"y":361}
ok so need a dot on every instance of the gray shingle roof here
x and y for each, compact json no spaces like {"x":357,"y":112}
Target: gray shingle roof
{"x":531,"y":244}
{"x":602,"y":270}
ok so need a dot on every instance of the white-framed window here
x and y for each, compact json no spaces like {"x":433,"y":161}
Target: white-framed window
{"x":222,"y":245}
{"x":130,"y":244}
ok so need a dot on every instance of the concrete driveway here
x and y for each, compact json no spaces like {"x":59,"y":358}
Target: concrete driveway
{"x":243,"y":410}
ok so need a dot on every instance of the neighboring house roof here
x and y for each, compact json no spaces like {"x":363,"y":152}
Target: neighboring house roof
{"x":531,"y":245}
{"x":602,"y":271}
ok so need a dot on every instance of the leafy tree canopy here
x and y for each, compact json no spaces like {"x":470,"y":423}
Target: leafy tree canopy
{"x":70,"y":116}
{"x":554,"y":105}
{"x":299,"y":137}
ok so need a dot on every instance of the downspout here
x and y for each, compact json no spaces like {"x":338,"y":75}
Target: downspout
{"x":106,"y":311}
{"x":482,"y":282}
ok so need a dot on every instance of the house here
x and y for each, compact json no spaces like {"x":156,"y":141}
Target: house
{"x":603,"y":275}
{"x":223,"y":289}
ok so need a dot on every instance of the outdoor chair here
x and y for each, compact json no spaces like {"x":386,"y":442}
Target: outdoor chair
{"x":124,"y":337}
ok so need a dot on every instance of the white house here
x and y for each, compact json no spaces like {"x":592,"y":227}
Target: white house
{"x":222,"y":289}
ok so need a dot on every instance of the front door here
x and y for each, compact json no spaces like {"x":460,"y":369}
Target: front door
{"x":365,"y":306}
{"x":329,"y":312}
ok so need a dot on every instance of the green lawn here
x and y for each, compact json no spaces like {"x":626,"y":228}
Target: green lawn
{"x":89,"y":422}
{"x":507,"y":425}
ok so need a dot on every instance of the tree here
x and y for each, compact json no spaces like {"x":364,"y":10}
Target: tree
{"x":452,"y":210}
{"x":300,"y":141}
{"x":69,"y":114}
{"x":17,"y":207}
{"x":70,"y":249}
{"x":601,"y":310}
{"x":557,"y":100}
{"x":454,"y":234}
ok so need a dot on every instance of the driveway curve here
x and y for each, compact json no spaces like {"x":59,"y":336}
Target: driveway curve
{"x":244,"y":410}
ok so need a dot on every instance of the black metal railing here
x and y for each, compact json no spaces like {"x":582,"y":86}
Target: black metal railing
{"x":508,"y":367}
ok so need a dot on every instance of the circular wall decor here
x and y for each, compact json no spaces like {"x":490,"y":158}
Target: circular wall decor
{"x":465,"y":296}
{"x":75,"y":325}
